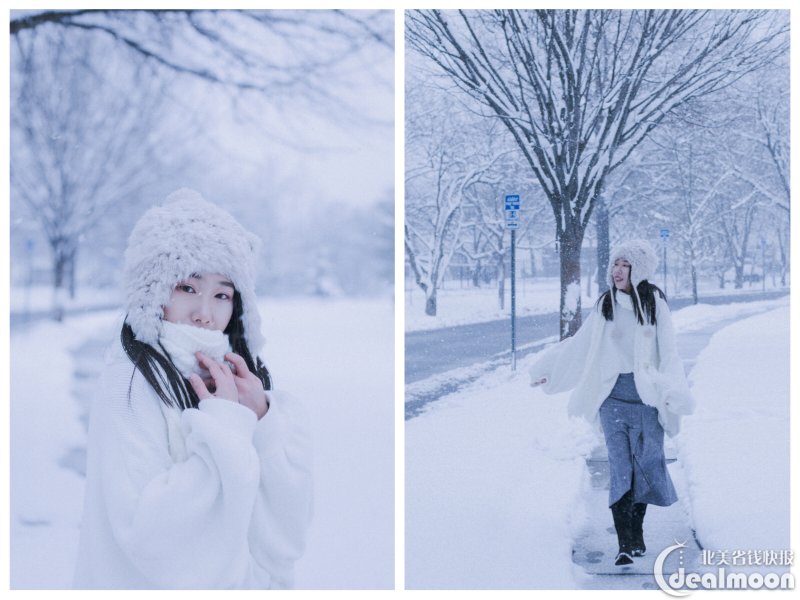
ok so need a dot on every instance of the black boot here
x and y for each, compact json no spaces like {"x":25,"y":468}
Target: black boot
{"x":621,"y":510}
{"x":637,"y":534}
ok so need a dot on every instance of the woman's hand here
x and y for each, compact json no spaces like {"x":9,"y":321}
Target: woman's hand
{"x":223,"y":384}
{"x":249,"y":387}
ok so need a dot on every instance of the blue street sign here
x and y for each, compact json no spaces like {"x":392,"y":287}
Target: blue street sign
{"x":664,"y":234}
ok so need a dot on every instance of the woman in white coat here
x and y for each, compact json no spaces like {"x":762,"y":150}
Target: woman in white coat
{"x":198,"y":470}
{"x":625,"y":372}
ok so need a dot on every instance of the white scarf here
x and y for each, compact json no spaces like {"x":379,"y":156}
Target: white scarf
{"x":182,"y":341}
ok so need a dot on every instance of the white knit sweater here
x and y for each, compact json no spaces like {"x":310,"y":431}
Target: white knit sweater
{"x":203,"y":498}
{"x":590,"y":361}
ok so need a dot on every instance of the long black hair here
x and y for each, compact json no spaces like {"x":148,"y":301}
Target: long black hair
{"x":647,"y":295}
{"x":159,"y":371}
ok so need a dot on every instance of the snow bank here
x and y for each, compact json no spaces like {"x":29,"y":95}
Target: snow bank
{"x":735,"y":448}
{"x":492,"y":475}
{"x":700,"y":316}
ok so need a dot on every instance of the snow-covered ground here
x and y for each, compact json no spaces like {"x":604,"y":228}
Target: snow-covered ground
{"x":39,"y":298}
{"x":495,"y":471}
{"x":337,"y":355}
{"x":735,"y":448}
{"x":459,"y":305}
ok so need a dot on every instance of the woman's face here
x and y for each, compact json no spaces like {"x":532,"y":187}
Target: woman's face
{"x":203,"y":300}
{"x":621,"y":273}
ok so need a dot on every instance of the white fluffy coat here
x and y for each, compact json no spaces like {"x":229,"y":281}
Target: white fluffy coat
{"x":587,"y":364}
{"x":203,"y":498}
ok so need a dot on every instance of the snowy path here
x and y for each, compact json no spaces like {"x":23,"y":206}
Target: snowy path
{"x":597,"y":543}
{"x":497,"y":487}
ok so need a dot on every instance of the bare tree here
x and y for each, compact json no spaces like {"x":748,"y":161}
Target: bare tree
{"x":755,"y":152}
{"x":448,"y":161}
{"x":737,"y":223}
{"x":83,"y":140}
{"x":89,"y":132}
{"x":434,"y":217}
{"x":695,"y":194}
{"x":290,"y":56}
{"x":580,"y":90}
{"x":486,"y":238}
{"x":772,"y":110}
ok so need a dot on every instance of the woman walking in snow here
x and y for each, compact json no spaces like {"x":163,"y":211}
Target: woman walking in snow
{"x":198,"y":472}
{"x":625,"y":370}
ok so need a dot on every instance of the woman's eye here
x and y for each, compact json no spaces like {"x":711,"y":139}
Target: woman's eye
{"x":186,"y":288}
{"x":223,"y":296}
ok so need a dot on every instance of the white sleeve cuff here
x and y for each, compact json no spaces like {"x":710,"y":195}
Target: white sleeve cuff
{"x":231,"y":414}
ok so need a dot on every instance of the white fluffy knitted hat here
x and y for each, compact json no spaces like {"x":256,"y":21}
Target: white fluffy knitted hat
{"x":642,"y":257}
{"x":187,"y":235}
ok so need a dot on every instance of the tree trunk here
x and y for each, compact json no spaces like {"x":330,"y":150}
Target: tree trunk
{"x":589,"y":282}
{"x":72,"y":260}
{"x":739,"y":281}
{"x":476,"y":274}
{"x":694,"y":273}
{"x":430,"y":301}
{"x":60,"y":261}
{"x":429,"y":287}
{"x":782,"y":250}
{"x":570,"y":263}
{"x":603,"y":243}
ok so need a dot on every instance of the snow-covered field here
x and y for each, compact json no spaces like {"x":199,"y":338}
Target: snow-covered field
{"x":494,"y":472}
{"x":337,"y":355}
{"x":461,"y":305}
{"x":39,"y":298}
